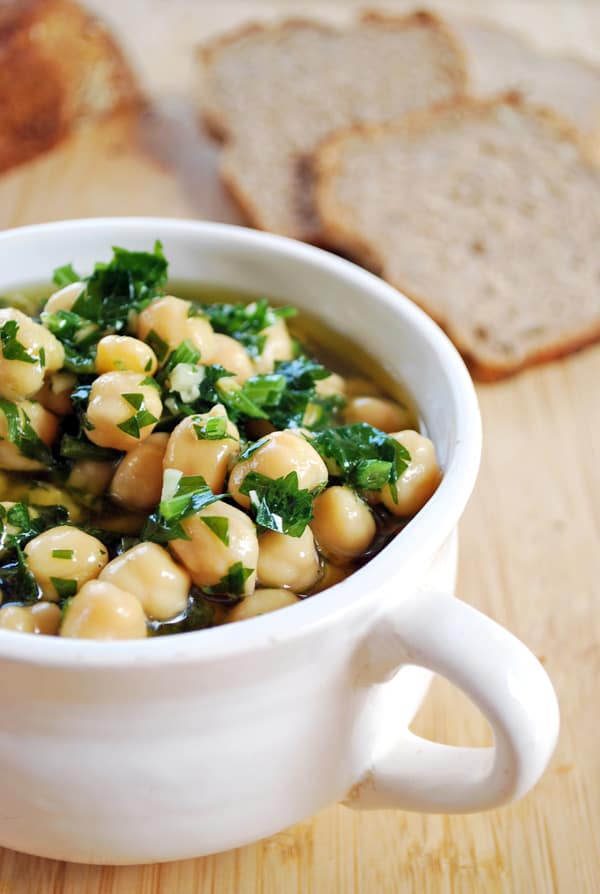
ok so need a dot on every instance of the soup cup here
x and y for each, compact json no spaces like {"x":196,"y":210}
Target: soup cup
{"x":174,"y":747}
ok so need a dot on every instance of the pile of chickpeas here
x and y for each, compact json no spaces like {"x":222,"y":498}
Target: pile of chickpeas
{"x":120,"y":598}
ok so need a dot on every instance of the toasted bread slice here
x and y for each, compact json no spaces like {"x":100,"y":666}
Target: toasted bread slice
{"x":274,"y":92}
{"x":58,"y":67}
{"x":500,"y":60}
{"x":486,"y":214}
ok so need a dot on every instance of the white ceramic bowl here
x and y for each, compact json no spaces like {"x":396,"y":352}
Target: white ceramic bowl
{"x":140,"y":751}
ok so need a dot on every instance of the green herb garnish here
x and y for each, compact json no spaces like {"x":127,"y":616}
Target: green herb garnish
{"x":361,"y":455}
{"x":246,"y":322}
{"x":213,"y":429}
{"x":140,"y":419}
{"x":233,"y":583}
{"x":22,"y":434}
{"x":65,"y":275}
{"x":278,"y":503}
{"x":63,"y":554}
{"x":190,"y":494}
{"x":65,"y":588}
{"x":219,"y":526}
{"x":12,"y":348}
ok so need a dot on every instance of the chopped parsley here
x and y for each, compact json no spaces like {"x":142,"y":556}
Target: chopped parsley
{"x":65,"y":587}
{"x":141,"y":418}
{"x":278,"y":503}
{"x":75,"y":448}
{"x":22,"y":434}
{"x":65,"y":275}
{"x":78,"y":337}
{"x":246,"y":322}
{"x":219,"y":526}
{"x":361,"y":455}
{"x":12,"y":348}
{"x":127,"y":283}
{"x":213,"y":429}
{"x":231,"y":584}
{"x":25,"y":523}
{"x":63,"y":554}
{"x":182,"y":497}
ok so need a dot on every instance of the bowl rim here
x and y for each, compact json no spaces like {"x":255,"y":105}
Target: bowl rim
{"x":430,"y":527}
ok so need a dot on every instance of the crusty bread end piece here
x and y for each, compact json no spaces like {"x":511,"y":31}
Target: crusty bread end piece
{"x":272,"y":93}
{"x":59,"y":66}
{"x":500,"y":60}
{"x":485,"y":214}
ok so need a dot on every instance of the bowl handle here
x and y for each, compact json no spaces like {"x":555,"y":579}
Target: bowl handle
{"x":503,"y":678}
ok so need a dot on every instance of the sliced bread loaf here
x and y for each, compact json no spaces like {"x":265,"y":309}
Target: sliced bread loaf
{"x":274,"y":92}
{"x":58,"y":66}
{"x":499,"y":60}
{"x":486,"y":214}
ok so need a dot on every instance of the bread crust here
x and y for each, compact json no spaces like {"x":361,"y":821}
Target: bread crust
{"x":346,"y":238}
{"x":46,"y":48}
{"x":218,"y":126}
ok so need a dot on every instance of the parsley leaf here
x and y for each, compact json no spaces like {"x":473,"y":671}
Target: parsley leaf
{"x":213,"y":429}
{"x":81,"y":448}
{"x":65,"y":275}
{"x":278,"y":503}
{"x":12,"y":349}
{"x":232,"y":583}
{"x":127,"y":283}
{"x":142,"y":417}
{"x":246,"y":322}
{"x":191,"y":494}
{"x":361,"y":455}
{"x":219,"y":526}
{"x":21,"y":523}
{"x":65,"y":587}
{"x":78,"y":337}
{"x":22,"y":434}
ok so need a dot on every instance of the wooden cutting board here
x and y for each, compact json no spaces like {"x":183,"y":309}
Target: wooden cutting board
{"x":530,"y":537}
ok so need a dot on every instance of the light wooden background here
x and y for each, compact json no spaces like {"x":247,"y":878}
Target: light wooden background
{"x":530,"y":537}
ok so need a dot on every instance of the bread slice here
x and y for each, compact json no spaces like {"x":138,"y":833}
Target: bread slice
{"x":486,"y":214}
{"x":274,"y":92}
{"x":499,"y":61}
{"x":58,"y":67}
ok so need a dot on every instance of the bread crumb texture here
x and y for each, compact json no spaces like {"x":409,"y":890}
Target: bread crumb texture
{"x":486,"y":214}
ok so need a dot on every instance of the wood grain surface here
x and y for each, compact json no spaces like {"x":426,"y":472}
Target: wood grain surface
{"x":530,"y":537}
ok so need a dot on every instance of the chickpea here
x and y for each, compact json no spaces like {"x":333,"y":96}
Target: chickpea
{"x":331,"y":386}
{"x":285,"y":561}
{"x":44,"y":424}
{"x":419,"y":481}
{"x":205,"y":555}
{"x":278,"y":346}
{"x":65,"y":298}
{"x":102,"y":611}
{"x":46,"y":617}
{"x":122,"y":352}
{"x":108,"y":408}
{"x":16,"y":617}
{"x":67,"y":554}
{"x":343,"y":525}
{"x":281,"y":453}
{"x":169,"y":319}
{"x":42,"y":494}
{"x":150,"y":574}
{"x":333,"y":574}
{"x":357,"y":386}
{"x":260,"y":603}
{"x":383,"y":414}
{"x":20,"y":378}
{"x":192,"y":454}
{"x":55,"y":393}
{"x":233,"y":356}
{"x":91,"y":476}
{"x":137,"y":482}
